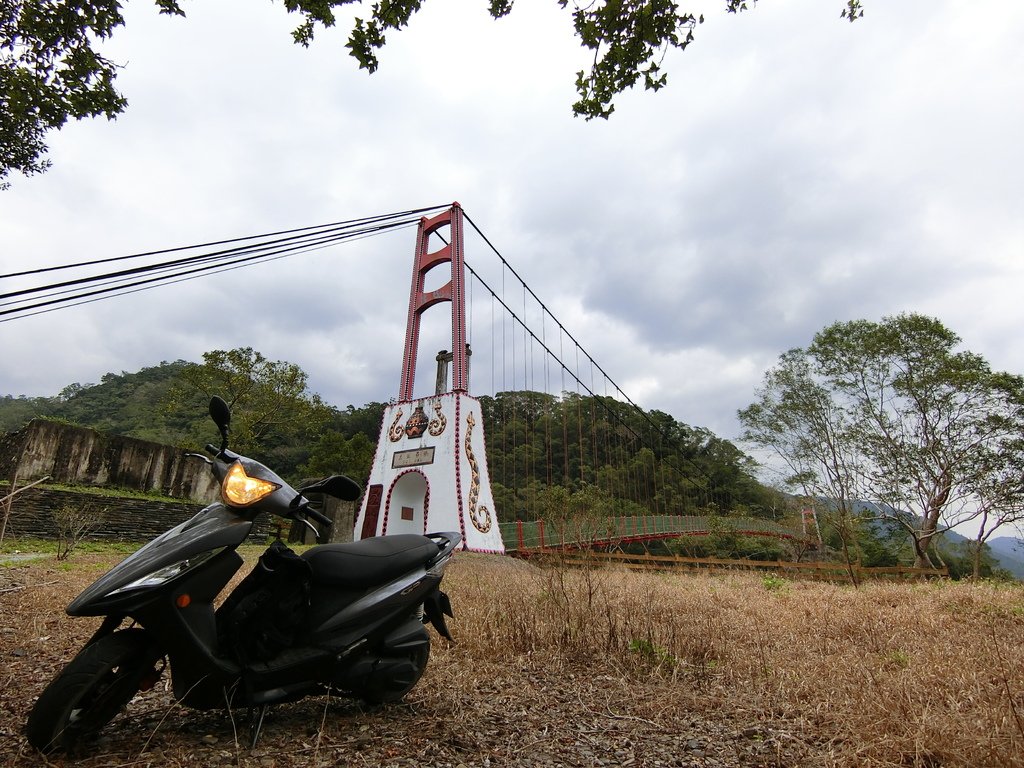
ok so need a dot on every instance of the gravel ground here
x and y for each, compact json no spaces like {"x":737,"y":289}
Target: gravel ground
{"x":545,"y":720}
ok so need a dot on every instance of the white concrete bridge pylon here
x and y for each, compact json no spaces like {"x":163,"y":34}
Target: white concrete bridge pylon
{"x":430,"y":471}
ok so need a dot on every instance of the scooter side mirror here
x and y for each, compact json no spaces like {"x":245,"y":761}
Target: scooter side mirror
{"x":220,"y":412}
{"x":338,"y":486}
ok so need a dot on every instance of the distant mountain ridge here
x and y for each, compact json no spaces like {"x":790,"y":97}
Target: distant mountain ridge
{"x":1006,"y":552}
{"x":1009,"y":553}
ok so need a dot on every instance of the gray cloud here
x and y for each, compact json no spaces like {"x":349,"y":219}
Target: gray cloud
{"x":798,"y":170}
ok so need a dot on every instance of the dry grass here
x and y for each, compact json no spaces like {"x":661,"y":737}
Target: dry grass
{"x":571,"y":667}
{"x":887,"y":675}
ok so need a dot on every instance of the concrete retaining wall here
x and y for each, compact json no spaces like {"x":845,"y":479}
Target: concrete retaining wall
{"x":79,"y":456}
{"x":114,"y":518}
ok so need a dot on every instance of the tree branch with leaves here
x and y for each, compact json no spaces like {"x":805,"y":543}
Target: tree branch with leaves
{"x":52,"y":70}
{"x":271,"y":406}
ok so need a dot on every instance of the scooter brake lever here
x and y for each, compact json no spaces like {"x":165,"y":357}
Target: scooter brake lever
{"x":302,"y":508}
{"x":308,"y":525}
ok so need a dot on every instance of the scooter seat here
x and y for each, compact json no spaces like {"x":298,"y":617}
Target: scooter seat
{"x":369,"y":562}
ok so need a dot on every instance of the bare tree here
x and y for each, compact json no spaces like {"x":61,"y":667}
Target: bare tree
{"x":891,"y":413}
{"x":7,"y":501}
{"x":74,"y":524}
{"x":1000,"y":496}
{"x":797,"y":419}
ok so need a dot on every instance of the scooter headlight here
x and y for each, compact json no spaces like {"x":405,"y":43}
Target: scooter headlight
{"x":168,"y":572}
{"x":240,"y":490}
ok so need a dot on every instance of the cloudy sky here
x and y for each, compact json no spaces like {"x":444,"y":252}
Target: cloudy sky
{"x":797,"y":170}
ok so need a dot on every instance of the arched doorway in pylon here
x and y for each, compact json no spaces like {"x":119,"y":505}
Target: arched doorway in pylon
{"x":408,"y":504}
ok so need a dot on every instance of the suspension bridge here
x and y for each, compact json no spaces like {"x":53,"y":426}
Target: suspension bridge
{"x":525,"y":537}
{"x":564,"y":442}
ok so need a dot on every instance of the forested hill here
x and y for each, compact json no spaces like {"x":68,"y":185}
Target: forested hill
{"x":536,"y":441}
{"x":126,"y":404}
{"x":548,"y":455}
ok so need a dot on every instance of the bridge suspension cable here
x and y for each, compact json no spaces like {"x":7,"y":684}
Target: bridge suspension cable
{"x":241,"y":252}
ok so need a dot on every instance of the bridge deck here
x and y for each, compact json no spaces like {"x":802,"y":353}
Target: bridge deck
{"x":523,"y":536}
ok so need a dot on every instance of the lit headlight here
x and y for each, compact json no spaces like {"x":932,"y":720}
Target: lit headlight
{"x":240,"y":490}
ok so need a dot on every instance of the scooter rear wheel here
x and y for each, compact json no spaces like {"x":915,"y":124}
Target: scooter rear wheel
{"x":90,"y":690}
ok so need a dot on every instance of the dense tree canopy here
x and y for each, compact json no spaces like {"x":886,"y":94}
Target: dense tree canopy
{"x":563,"y":458}
{"x":614,"y":456}
{"x":273,"y":413}
{"x":52,"y":69}
{"x":121,"y":403}
{"x":598,"y":455}
{"x":274,"y":416}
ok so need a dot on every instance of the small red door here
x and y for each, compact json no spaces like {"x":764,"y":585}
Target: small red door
{"x":373,"y":498}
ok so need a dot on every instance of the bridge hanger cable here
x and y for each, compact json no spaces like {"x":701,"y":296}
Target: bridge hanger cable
{"x":575,"y":376}
{"x":549,"y":313}
{"x":579,"y":381}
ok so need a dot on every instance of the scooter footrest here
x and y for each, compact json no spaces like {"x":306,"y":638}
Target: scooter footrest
{"x":289,"y":665}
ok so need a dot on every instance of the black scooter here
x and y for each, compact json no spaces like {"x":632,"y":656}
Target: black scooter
{"x":343,"y":618}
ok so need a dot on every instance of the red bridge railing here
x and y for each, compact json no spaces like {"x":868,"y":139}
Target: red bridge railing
{"x":538,"y":535}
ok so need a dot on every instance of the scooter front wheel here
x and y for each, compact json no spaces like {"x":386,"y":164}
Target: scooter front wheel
{"x":91,"y":690}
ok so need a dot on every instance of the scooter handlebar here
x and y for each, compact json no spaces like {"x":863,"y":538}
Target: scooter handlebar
{"x":320,"y":518}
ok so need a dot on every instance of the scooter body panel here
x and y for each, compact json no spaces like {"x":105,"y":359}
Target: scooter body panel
{"x":212,"y":529}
